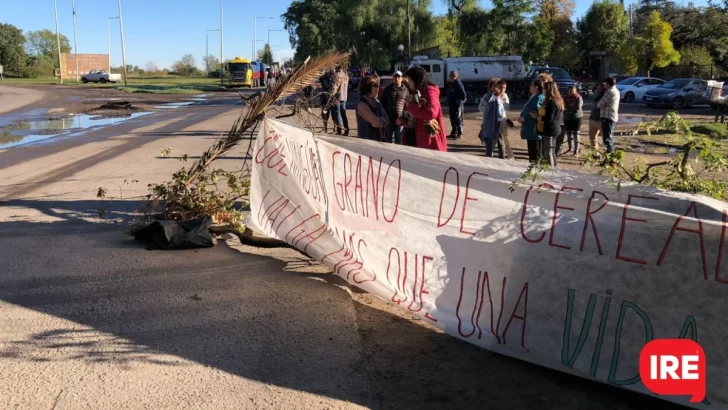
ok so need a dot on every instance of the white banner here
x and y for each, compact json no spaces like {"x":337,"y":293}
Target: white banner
{"x":574,"y":275}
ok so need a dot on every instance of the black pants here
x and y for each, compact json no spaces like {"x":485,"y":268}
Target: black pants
{"x":409,"y":137}
{"x":548,"y":149}
{"x":534,"y":150}
{"x":456,"y":120}
{"x":572,"y":133}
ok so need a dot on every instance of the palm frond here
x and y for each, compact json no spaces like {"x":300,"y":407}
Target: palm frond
{"x":303,"y":76}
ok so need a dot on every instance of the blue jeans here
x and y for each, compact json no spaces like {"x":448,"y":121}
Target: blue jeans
{"x":336,"y":117}
{"x":393,"y":129}
{"x":344,"y":119}
{"x":608,"y":134}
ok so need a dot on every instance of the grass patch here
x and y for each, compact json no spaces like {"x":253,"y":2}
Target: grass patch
{"x":713,"y":130}
{"x":152,"y":85}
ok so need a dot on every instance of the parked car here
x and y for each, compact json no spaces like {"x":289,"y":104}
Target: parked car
{"x":634,"y":88}
{"x":100,"y":76}
{"x":678,"y":93}
{"x":561,"y":77}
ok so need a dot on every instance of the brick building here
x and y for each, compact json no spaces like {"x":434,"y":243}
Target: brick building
{"x":86,"y":63}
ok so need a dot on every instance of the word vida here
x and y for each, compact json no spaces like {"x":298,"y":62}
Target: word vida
{"x":674,"y":367}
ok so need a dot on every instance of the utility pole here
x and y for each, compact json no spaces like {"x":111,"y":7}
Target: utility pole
{"x":207,"y":52}
{"x":222,"y":49}
{"x":58,"y":40}
{"x":108,"y":24}
{"x":123,"y":50}
{"x":409,"y":34}
{"x":75,"y":43}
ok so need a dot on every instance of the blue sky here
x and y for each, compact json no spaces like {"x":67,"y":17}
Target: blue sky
{"x":161,"y":31}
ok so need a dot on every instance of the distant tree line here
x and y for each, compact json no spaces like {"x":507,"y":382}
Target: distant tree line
{"x":686,"y":39}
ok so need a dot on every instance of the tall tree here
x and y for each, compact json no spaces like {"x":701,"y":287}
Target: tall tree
{"x":312,"y":26}
{"x":266,"y":54}
{"x":211,"y":62}
{"x":654,"y":45}
{"x":12,"y":51}
{"x":186,"y":65}
{"x":44,"y":43}
{"x":150,"y":67}
{"x":604,"y":27}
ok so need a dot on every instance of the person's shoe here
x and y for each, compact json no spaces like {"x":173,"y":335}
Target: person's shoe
{"x":459,"y":137}
{"x":346,"y":133}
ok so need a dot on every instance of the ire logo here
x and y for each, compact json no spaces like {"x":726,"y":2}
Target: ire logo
{"x":674,"y":367}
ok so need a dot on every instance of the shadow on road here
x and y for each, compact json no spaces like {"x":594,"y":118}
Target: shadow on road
{"x":260,"y":318}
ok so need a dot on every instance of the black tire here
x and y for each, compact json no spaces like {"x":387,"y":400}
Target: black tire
{"x":103,"y":80}
{"x":678,"y":103}
{"x":629,"y":97}
{"x":84,"y":80}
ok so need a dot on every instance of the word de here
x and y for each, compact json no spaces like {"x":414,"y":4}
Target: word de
{"x":674,"y":367}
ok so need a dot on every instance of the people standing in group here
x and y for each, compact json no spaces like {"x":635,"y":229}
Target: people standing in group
{"x":595,"y":117}
{"x":456,"y":104}
{"x":330,"y":101}
{"x":529,"y":121}
{"x":371,"y":119}
{"x":494,"y":116}
{"x":424,"y":105}
{"x":394,"y":98}
{"x":609,"y":106}
{"x":550,"y":118}
{"x":573,"y":115}
{"x":342,"y":80}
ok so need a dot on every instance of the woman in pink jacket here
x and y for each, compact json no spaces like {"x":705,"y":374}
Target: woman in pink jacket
{"x":424,"y":105}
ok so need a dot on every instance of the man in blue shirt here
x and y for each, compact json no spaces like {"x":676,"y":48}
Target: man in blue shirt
{"x":455,"y":99}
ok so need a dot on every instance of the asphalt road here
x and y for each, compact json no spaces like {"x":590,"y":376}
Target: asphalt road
{"x":90,"y":319}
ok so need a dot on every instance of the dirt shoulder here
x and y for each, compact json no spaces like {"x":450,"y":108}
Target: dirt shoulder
{"x":14,"y":98}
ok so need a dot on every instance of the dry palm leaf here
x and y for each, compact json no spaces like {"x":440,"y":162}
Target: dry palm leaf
{"x":303,"y":76}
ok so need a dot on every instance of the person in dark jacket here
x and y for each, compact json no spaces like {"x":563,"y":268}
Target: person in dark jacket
{"x":550,"y":118}
{"x":528,"y":120}
{"x":394,"y":98}
{"x":455,"y":99}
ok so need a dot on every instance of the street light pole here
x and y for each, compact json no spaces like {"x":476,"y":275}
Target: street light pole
{"x":222,"y":50}
{"x":58,"y":40}
{"x":75,"y":43}
{"x":123,"y":50}
{"x":409,"y":34}
{"x":207,"y":48}
{"x":255,"y":32}
{"x":269,"y":34}
{"x":108,"y":24}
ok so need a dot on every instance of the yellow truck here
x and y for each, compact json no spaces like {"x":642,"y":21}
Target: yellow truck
{"x":240,"y":73}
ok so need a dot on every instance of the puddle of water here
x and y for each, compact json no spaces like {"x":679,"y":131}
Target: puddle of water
{"x":174,"y":105}
{"x":656,"y":150}
{"x":630,"y":120}
{"x":31,"y":130}
{"x":111,"y":99}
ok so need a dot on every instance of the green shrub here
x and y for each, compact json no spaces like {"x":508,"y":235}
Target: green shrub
{"x":713,"y":130}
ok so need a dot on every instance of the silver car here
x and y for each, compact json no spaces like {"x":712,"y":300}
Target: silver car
{"x":678,"y":93}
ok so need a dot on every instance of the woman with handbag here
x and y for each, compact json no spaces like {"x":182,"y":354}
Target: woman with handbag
{"x":424,"y":105}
